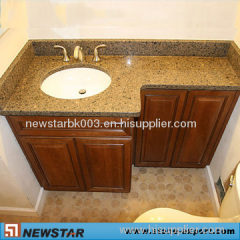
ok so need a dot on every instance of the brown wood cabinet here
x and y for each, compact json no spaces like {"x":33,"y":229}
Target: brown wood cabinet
{"x":55,"y":162}
{"x":100,"y":158}
{"x":209,"y":109}
{"x":85,"y":159}
{"x":155,"y":146}
{"x":182,"y":147}
{"x":104,"y":162}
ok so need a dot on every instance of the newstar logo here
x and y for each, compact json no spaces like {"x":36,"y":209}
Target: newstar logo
{"x":12,"y":230}
{"x":52,"y":232}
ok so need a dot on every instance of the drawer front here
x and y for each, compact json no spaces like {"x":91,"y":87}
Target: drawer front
{"x":70,"y":126}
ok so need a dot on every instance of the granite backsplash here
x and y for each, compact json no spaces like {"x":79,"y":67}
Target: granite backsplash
{"x":34,"y":48}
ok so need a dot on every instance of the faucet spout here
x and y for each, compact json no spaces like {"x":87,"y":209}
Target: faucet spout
{"x":78,"y":53}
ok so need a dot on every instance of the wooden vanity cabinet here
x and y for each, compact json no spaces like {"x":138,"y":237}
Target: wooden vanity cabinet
{"x":210,"y":110}
{"x":88,"y":159}
{"x":183,"y":147}
{"x":154,"y":146}
{"x":54,"y":161}
{"x":105,"y":163}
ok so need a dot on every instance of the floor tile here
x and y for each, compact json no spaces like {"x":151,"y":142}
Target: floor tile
{"x":184,"y":189}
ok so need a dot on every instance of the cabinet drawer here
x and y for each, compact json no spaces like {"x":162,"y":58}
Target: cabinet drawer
{"x":70,"y":126}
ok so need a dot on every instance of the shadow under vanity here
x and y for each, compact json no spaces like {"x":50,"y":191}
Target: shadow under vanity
{"x":170,"y":81}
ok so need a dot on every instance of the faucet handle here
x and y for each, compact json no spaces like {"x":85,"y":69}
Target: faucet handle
{"x":96,"y":57}
{"x":65,"y":56}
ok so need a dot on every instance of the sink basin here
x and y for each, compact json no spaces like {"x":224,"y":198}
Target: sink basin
{"x":76,"y":83}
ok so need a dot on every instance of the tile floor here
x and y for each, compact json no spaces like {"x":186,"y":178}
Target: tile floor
{"x":183,"y":189}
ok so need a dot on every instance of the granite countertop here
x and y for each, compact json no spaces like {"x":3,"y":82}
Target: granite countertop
{"x":129,"y":74}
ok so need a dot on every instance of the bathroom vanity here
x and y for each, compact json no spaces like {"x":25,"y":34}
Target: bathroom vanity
{"x":87,"y":159}
{"x":191,"y":146}
{"x":167,"y":80}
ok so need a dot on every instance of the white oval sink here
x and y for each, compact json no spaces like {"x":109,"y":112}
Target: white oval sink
{"x":76,"y":83}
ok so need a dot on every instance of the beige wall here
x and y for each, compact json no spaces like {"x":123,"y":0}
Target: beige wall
{"x":227,"y":155}
{"x":16,"y":163}
{"x":165,"y":19}
{"x":11,"y":194}
{"x":18,"y":185}
{"x":237,"y":37}
{"x":113,"y":19}
{"x":11,"y":43}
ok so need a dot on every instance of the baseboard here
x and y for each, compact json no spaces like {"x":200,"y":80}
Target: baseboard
{"x":41,"y":201}
{"x":18,"y":211}
{"x":35,"y":211}
{"x":212,"y":190}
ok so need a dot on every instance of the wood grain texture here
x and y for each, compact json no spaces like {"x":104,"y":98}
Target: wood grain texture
{"x":155,"y":146}
{"x":55,"y":161}
{"x":89,"y":126}
{"x":68,"y":159}
{"x":209,"y":110}
{"x":183,"y":147}
{"x":106,"y":163}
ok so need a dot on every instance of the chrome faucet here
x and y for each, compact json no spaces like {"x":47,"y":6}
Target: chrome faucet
{"x":78,"y":53}
{"x":65,"y":56}
{"x":96,"y":57}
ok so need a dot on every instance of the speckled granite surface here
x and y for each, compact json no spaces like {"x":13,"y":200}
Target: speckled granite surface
{"x":122,"y":98}
{"x":136,"y":47}
{"x":234,"y":57}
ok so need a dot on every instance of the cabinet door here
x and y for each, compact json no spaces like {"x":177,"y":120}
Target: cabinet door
{"x":210,"y":110}
{"x":54,"y":162}
{"x":106,"y":163}
{"x":154,"y":147}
